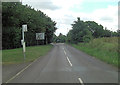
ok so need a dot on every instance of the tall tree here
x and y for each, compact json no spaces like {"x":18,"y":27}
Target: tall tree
{"x":79,"y":31}
{"x":15,"y":15}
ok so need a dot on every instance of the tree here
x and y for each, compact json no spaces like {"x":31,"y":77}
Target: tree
{"x":85,"y":31}
{"x":80,"y":31}
{"x":97,"y":30}
{"x":61,"y":38}
{"x":15,"y":15}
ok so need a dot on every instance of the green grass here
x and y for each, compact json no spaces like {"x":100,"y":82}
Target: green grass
{"x":105,"y":49}
{"x":14,"y":56}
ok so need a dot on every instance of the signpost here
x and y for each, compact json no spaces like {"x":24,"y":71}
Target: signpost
{"x":40,"y":36}
{"x":24,"y":29}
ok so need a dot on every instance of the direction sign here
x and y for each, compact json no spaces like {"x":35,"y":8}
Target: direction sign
{"x":40,"y":36}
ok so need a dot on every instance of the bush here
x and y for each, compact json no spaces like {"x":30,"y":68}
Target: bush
{"x":87,"y":38}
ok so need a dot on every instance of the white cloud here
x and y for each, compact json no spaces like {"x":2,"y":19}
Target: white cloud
{"x":42,"y":4}
{"x":66,"y":4}
{"x":108,"y":17}
{"x":102,"y":1}
{"x":111,"y":15}
{"x":64,"y":16}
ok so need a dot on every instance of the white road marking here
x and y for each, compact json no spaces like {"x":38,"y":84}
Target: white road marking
{"x":20,"y":72}
{"x":80,"y":80}
{"x":69,"y":61}
{"x":67,"y":58}
{"x":64,"y":52}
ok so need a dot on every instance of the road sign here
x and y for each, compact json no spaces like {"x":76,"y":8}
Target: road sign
{"x":24,"y":27}
{"x":40,"y":36}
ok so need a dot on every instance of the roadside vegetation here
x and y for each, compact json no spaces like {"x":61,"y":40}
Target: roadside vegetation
{"x":94,"y":39}
{"x":14,"y":15}
{"x":14,"y":56}
{"x":85,"y":31}
{"x":105,"y":49}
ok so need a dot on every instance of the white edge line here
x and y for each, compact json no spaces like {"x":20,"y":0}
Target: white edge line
{"x":21,"y":71}
{"x":69,"y":61}
{"x":80,"y":80}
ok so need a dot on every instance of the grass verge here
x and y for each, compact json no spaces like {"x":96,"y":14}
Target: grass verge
{"x":14,"y":56}
{"x":105,"y":49}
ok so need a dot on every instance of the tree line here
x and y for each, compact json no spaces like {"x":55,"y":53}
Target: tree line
{"x":60,"y":38}
{"x":14,"y":15}
{"x":85,"y":31}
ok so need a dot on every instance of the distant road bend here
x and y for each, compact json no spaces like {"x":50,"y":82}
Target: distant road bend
{"x":65,"y":64}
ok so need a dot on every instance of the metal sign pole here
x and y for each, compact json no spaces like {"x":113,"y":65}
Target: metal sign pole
{"x":23,"y":34}
{"x":23,"y":44}
{"x":24,"y":51}
{"x":24,"y":29}
{"x":24,"y":56}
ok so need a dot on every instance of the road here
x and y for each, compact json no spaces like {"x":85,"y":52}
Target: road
{"x":65,"y":64}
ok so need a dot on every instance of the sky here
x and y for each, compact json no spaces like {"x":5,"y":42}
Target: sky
{"x":65,"y":12}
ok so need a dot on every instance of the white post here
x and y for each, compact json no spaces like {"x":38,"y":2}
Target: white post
{"x":24,"y":29}
{"x":23,"y":34}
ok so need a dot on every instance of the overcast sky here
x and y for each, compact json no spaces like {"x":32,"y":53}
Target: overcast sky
{"x":64,"y":12}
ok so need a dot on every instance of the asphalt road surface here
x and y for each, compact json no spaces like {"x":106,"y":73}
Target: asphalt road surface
{"x":65,"y":64}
